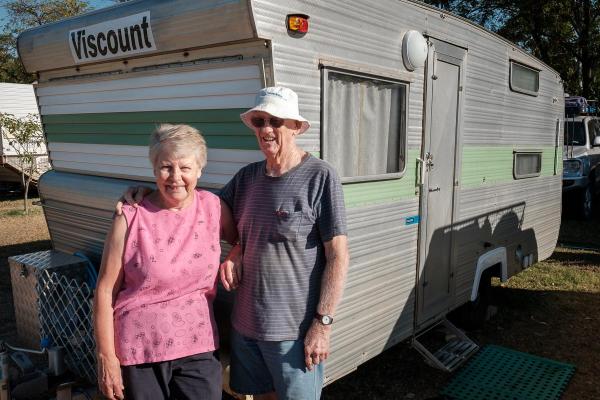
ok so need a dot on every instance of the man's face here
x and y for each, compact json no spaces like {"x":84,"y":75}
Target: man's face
{"x":274,"y":141}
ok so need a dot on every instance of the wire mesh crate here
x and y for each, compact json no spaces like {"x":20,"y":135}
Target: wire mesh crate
{"x":66,"y":307}
{"x":53,"y":303}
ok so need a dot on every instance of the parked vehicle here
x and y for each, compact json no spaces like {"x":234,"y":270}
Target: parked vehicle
{"x":581,"y":157}
{"x":575,"y":105}
{"x":448,"y":138}
{"x":19,"y":100}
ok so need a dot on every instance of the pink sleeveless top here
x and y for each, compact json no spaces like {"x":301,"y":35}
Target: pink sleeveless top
{"x":163,"y":310}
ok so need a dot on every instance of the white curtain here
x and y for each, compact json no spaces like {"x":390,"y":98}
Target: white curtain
{"x":363,"y":126}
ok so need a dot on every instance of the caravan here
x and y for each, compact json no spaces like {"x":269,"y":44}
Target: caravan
{"x":447,"y":137}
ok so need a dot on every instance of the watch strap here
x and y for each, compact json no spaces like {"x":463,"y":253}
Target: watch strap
{"x":324,"y":319}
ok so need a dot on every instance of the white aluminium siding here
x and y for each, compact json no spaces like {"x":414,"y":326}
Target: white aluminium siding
{"x":131,"y":162}
{"x":227,"y":87}
{"x":17,"y":99}
{"x":232,"y":87}
{"x":378,"y":306}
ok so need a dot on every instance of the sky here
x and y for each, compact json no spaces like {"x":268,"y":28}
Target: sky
{"x":95,"y":4}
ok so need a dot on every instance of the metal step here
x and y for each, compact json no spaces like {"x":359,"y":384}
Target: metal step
{"x":453,"y":346}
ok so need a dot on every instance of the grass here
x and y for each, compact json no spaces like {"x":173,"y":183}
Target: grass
{"x":555,"y":273}
{"x":20,"y":213}
{"x":552,"y":310}
{"x":13,"y":207}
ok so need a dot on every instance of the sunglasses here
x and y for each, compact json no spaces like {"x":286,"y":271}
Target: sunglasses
{"x":275,"y":122}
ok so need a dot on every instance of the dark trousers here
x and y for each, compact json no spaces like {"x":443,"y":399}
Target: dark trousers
{"x":194,"y":377}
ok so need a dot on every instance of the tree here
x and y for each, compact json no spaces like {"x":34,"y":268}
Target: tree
{"x":25,"y":14}
{"x":25,"y":136}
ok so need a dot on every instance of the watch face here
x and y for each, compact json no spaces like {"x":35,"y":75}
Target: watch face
{"x":326,"y":320}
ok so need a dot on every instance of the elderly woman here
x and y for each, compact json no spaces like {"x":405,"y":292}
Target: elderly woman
{"x":289,"y":211}
{"x":153,"y":317}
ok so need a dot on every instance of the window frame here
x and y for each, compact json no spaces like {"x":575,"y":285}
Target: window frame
{"x":516,"y":154}
{"x":403,"y":149}
{"x":518,"y":89}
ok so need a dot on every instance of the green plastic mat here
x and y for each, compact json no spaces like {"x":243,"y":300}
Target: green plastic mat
{"x":498,"y":373}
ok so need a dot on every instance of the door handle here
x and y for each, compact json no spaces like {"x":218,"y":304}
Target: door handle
{"x":422,"y":174}
{"x":436,"y":189}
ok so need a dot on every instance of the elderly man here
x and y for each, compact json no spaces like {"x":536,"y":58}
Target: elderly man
{"x":292,"y":252}
{"x":290,"y":215}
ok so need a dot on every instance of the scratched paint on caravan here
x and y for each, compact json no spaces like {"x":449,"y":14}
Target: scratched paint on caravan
{"x":115,"y":38}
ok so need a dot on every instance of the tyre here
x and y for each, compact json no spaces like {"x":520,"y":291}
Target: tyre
{"x":472,"y":315}
{"x":586,"y":203}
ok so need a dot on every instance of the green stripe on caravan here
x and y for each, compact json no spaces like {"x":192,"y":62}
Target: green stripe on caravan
{"x":484,"y":166}
{"x":388,"y":191}
{"x":481,"y":166}
{"x":221,"y":128}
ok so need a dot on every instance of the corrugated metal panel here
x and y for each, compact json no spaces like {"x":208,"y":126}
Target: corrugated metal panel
{"x":377,"y":308}
{"x":79,"y":209}
{"x":131,"y":162}
{"x":94,"y":135}
{"x":175,"y":24}
{"x":233,"y":87}
{"x":494,"y":115}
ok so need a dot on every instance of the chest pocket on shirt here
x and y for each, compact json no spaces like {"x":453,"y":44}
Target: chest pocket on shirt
{"x":292,"y":226}
{"x":287,"y":224}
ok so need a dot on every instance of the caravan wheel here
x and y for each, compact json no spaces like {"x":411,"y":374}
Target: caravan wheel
{"x":473,"y":314}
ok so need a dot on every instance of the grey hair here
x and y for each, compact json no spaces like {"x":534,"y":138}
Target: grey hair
{"x":181,"y":139}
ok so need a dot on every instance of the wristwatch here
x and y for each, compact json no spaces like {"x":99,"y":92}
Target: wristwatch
{"x":324,"y":319}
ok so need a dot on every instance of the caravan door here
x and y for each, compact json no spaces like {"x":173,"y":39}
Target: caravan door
{"x":444,"y":75}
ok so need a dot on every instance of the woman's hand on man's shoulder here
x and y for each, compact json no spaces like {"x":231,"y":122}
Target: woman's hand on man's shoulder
{"x":132,"y":196}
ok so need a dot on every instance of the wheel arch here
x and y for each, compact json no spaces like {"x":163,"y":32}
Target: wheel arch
{"x":496,"y":258}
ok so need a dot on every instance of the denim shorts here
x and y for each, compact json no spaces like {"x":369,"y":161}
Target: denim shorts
{"x":259,"y":367}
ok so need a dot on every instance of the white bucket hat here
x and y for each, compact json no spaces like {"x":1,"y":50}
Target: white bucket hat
{"x":278,"y":101}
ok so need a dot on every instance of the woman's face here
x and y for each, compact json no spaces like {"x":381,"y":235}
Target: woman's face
{"x":274,"y":142}
{"x":176,"y":175}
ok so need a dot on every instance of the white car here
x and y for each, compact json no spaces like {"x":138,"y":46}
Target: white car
{"x":581,"y":156}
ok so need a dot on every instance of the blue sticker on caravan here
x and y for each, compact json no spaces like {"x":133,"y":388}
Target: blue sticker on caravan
{"x":411,"y":220}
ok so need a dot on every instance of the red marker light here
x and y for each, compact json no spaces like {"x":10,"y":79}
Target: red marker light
{"x":297,"y":23}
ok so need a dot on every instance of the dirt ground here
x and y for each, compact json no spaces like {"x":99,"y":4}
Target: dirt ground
{"x":547,"y":321}
{"x":18,"y":235}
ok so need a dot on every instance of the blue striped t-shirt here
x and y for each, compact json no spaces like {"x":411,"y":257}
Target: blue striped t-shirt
{"x":283,"y":222}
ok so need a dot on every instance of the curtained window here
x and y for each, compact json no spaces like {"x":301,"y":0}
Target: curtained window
{"x":527,"y":164}
{"x":524,"y":79}
{"x":364,"y":125}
